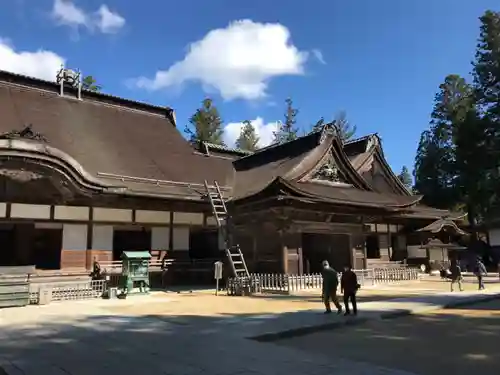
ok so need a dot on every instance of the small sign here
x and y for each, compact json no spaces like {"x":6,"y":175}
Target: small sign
{"x":218,"y":270}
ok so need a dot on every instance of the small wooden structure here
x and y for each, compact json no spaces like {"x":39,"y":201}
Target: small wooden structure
{"x":440,"y":252}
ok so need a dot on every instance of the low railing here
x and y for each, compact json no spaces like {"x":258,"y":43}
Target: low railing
{"x":67,"y":291}
{"x":288,"y":284}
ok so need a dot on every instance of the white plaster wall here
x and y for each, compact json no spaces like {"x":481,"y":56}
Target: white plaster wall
{"x":71,"y":213}
{"x":29,"y":211}
{"x":160,"y":237}
{"x":188,"y":218}
{"x":181,"y":238}
{"x":3,"y":209}
{"x":74,"y":237}
{"x":494,"y":235}
{"x":153,"y":217}
{"x":102,"y":237}
{"x":113,"y":214}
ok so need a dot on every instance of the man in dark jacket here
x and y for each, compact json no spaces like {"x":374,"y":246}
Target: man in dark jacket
{"x":456,"y":275}
{"x":349,"y":286}
{"x":330,"y":285}
{"x":480,"y":272}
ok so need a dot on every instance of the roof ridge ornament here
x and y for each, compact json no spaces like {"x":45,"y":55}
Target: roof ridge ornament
{"x":26,"y":133}
{"x":328,"y":130}
{"x":69,"y":78}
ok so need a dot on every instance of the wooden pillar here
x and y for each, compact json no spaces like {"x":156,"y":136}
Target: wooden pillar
{"x":352,"y":251}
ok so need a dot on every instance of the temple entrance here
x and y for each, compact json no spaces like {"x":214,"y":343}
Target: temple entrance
{"x":372,"y":247}
{"x":130,"y":239}
{"x":46,"y":248}
{"x":24,"y":244}
{"x":7,"y":245}
{"x":318,"y":247}
{"x":204,"y":243}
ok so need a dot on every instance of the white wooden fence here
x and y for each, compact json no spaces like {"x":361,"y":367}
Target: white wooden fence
{"x":289,"y":284}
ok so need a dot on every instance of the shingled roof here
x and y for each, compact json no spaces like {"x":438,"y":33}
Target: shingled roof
{"x":293,"y":165}
{"x":115,"y":140}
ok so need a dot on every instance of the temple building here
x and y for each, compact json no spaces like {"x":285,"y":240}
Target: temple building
{"x":87,"y":175}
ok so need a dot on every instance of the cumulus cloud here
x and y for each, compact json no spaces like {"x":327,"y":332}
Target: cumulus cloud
{"x":237,"y":61}
{"x":265,"y":131}
{"x":67,"y":13}
{"x":41,"y":63}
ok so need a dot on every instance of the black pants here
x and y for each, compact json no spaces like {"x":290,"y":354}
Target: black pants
{"x":331,"y":296}
{"x":350,"y":296}
{"x":480,"y":282}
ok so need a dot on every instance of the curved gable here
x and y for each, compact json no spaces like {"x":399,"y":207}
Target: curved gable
{"x":367,"y":158}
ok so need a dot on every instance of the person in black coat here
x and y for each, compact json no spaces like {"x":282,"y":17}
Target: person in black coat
{"x":349,"y":287}
{"x":480,"y":272}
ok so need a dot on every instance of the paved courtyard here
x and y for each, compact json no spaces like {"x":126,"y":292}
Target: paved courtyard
{"x":458,"y":341}
{"x":170,"y":333}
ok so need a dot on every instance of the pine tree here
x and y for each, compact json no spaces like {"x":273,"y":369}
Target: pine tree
{"x":248,"y":138}
{"x":346,"y":129}
{"x":318,"y":126}
{"x":206,"y":124}
{"x":486,"y":72}
{"x":287,"y":130}
{"x":89,"y":83}
{"x":405,"y":177}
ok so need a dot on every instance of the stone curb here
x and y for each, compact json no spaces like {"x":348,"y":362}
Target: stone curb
{"x":303,"y":331}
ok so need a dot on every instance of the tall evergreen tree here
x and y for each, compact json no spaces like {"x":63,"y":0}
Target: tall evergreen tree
{"x":206,"y":124}
{"x":318,"y":125}
{"x":287,"y":130}
{"x":346,"y":129}
{"x":486,"y":72}
{"x":248,"y":138}
{"x":89,"y":83}
{"x":405,"y":177}
{"x":436,"y":169}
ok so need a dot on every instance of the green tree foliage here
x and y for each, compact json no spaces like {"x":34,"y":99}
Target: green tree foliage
{"x":287,"y":131}
{"x":346,"y":129}
{"x":248,"y":138}
{"x":318,"y":126}
{"x":405,"y":177}
{"x":486,"y":73}
{"x":89,"y":83}
{"x":205,"y":124}
{"x":449,"y":167}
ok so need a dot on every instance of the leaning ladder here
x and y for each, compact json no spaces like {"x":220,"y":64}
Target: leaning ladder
{"x":233,"y":252}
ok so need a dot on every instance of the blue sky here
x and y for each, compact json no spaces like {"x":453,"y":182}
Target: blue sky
{"x":381,"y":61}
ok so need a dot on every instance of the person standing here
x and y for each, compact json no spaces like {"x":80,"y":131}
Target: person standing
{"x":456,"y":275}
{"x":330,"y":285}
{"x":349,"y":287}
{"x":480,"y":272}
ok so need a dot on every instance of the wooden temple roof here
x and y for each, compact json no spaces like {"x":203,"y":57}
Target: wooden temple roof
{"x":443,"y":224}
{"x":117,"y":141}
{"x":124,"y":146}
{"x":437,"y":243}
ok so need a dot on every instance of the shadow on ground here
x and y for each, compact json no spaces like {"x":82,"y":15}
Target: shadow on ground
{"x":193,"y":341}
{"x":458,"y":341}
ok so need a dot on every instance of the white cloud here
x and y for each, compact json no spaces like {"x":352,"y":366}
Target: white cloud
{"x":265,"y":131}
{"x":41,"y":64}
{"x":66,"y":13}
{"x":237,"y":61}
{"x":109,"y":22}
{"x":318,"y":55}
